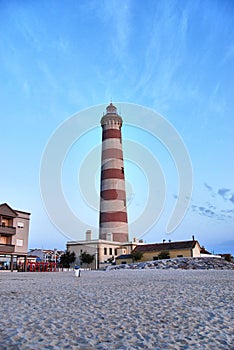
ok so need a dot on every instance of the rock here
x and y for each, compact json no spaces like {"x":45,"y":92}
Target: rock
{"x":205,"y":263}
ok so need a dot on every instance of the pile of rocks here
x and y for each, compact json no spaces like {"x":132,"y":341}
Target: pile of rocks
{"x":207,"y":263}
{"x":192,"y":263}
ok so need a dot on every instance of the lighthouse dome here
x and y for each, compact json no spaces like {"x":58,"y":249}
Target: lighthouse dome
{"x":111,"y":108}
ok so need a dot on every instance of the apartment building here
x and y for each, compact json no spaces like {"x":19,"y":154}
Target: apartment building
{"x":14,"y":232}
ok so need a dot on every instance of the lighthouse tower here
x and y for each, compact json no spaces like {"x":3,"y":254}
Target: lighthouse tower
{"x":113,"y":213}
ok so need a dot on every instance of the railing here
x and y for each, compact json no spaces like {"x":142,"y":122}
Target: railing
{"x":7,"y":248}
{"x":7,"y":230}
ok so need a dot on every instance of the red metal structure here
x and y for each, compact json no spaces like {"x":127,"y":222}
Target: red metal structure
{"x":41,"y":267}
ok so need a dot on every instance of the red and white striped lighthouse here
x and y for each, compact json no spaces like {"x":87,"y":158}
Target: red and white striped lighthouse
{"x":113,"y":212}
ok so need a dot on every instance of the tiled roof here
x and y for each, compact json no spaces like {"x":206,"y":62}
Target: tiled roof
{"x":158,"y":247}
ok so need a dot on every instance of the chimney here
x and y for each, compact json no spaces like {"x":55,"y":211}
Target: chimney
{"x":164,"y":241}
{"x":193,"y":237}
{"x":88,"y":235}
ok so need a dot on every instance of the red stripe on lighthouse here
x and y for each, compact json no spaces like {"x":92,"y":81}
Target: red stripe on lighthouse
{"x":113,"y":194}
{"x":119,"y":237}
{"x":112,"y":174}
{"x":111,"y":134}
{"x":113,"y":216}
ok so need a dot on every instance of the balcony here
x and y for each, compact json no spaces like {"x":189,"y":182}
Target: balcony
{"x":7,"y":230}
{"x":7,"y":248}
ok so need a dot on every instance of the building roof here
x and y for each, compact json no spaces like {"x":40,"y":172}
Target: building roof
{"x":124,"y":256}
{"x":158,"y":247}
{"x":22,"y":211}
{"x":204,"y":251}
{"x":45,"y":251}
{"x":100,"y":241}
{"x":6,"y":210}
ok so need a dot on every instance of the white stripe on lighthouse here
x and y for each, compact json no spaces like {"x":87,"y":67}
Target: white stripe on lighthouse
{"x":117,"y":184}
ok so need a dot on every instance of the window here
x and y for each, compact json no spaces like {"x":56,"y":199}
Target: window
{"x":155,"y":258}
{"x":105,"y":251}
{"x":115,"y":251}
{"x":20,"y":224}
{"x":110,"y":251}
{"x":5,"y":222}
{"x":19,"y":242}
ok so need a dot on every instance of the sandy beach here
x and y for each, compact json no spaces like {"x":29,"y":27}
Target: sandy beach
{"x":123,"y":309}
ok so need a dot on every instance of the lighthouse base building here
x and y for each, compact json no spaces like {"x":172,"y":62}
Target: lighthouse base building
{"x":104,"y":251}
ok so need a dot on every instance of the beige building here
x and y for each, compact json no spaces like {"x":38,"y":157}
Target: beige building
{"x":14,"y":231}
{"x":106,"y":251}
{"x":175,"y":250}
{"x":102,"y":250}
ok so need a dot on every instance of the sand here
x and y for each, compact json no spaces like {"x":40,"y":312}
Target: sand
{"x":123,"y":309}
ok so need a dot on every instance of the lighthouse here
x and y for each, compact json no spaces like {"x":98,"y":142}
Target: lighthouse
{"x":113,"y":223}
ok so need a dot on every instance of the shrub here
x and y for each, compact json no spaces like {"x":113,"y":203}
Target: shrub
{"x":67,"y":258}
{"x":164,"y":255}
{"x":86,"y":258}
{"x":228,"y":257}
{"x":136,"y":255}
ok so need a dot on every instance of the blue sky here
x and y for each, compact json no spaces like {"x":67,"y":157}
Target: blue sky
{"x":175,"y":57}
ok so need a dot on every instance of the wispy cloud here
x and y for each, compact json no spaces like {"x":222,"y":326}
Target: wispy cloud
{"x":214,"y":214}
{"x":210,"y":189}
{"x":226,"y":194}
{"x":164,"y":53}
{"x":62,"y":45}
{"x":28,"y":24}
{"x":118,"y":20}
{"x":215,"y":209}
{"x":216,"y":102}
{"x":48,"y":75}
